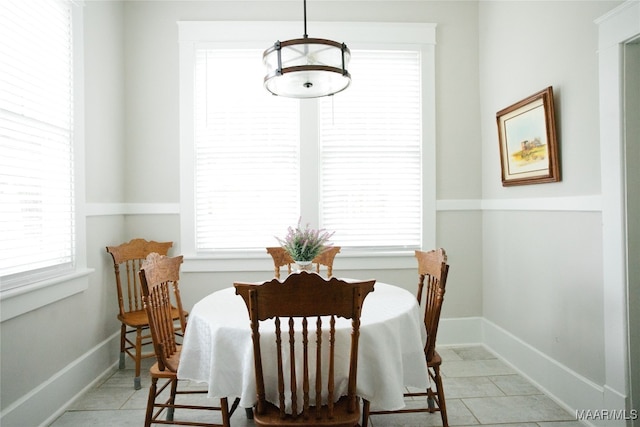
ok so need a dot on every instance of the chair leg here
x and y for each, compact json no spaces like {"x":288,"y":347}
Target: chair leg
{"x":234,"y":406}
{"x":123,"y":333}
{"x":138,"y":357}
{"x":249,"y":413}
{"x":224,"y":408}
{"x":365,"y":413}
{"x":172,"y":399}
{"x":441,"y":403}
{"x":151,"y":401}
{"x":431,"y":401}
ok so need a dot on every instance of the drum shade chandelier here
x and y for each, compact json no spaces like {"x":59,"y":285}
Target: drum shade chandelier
{"x":306,"y":67}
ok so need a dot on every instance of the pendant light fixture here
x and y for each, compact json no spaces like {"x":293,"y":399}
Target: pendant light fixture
{"x":306,"y":67}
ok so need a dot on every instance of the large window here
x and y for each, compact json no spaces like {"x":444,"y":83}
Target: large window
{"x":40,"y":132}
{"x":358,"y":163}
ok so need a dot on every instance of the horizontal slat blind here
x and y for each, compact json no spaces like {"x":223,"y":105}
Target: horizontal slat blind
{"x":247,"y":176}
{"x":370,"y":145}
{"x":36,"y":140}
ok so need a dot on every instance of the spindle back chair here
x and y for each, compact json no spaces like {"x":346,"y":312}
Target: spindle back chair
{"x":432,"y":279}
{"x":303,"y":311}
{"x":159,"y":277}
{"x":127,"y":260}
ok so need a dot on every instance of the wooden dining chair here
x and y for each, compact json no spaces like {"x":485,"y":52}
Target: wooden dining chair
{"x":302,"y":311}
{"x":326,"y":259}
{"x":158,"y":275}
{"x":281,"y":258}
{"x":127,"y":260}
{"x":432,"y":272}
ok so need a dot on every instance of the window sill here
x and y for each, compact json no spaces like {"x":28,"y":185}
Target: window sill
{"x":17,"y":301}
{"x":262,"y":262}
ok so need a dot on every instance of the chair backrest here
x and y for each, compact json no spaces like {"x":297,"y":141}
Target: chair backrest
{"x":314,"y":303}
{"x":282,"y":258}
{"x":127,"y":260}
{"x":158,"y":275}
{"x":326,"y":258}
{"x":432,"y":270}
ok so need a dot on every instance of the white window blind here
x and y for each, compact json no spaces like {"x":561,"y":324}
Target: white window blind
{"x":247,"y":154}
{"x":247,"y":176}
{"x":36,"y":141}
{"x":370,"y":144}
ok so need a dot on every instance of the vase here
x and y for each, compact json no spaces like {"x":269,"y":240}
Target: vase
{"x":304,"y":266}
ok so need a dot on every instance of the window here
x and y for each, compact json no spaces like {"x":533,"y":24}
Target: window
{"x":247,"y":154}
{"x":252,"y":164}
{"x":370,"y":141}
{"x":39,"y":127}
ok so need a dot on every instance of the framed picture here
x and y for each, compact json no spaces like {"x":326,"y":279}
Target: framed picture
{"x":528,"y":145}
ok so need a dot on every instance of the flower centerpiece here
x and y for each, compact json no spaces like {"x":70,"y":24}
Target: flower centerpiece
{"x":303,"y":245}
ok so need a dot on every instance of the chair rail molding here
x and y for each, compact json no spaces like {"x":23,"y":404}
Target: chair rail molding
{"x":106,"y":209}
{"x":587,"y":203}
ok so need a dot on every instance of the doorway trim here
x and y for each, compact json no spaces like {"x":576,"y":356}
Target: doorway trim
{"x":615,"y":28}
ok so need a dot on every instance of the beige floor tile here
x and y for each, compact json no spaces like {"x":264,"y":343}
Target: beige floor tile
{"x":456,"y":388}
{"x":574,"y":423}
{"x":475,"y":368}
{"x":474,"y":353}
{"x":110,"y":418}
{"x":103,"y":398}
{"x":516,"y":409}
{"x":448,"y":353}
{"x":514,"y":385}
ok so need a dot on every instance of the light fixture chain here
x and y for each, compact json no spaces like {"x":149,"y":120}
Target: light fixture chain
{"x":305,"y":18}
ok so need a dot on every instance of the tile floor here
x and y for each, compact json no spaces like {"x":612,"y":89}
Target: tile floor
{"x":480,"y":389}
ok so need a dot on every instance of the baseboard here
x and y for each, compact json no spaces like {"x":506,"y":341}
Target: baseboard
{"x":569,"y":389}
{"x":42,"y":405}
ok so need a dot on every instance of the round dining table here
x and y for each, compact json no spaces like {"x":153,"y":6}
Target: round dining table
{"x":218,"y":350}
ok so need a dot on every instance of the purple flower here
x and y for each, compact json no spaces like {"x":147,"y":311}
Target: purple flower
{"x":305,"y":244}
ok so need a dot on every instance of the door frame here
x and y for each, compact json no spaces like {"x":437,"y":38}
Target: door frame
{"x":616,"y":28}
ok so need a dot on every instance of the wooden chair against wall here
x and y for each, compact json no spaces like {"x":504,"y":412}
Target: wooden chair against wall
{"x":282,"y":258}
{"x":127,"y":260}
{"x":159,"y":275}
{"x":432,"y":272}
{"x":314,"y":303}
{"x":326,"y":259}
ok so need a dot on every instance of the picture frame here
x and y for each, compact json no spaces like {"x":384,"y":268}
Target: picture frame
{"x":528,"y":142}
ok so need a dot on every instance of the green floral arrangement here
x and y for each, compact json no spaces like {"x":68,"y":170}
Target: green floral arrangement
{"x":305,"y":244}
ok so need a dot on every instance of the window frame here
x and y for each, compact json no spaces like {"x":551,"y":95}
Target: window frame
{"x":30,"y":296}
{"x":358,"y":35}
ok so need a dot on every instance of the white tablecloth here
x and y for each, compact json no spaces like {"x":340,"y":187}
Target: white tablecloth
{"x":217,"y":347}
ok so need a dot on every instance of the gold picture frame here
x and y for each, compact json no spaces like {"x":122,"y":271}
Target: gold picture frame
{"x":528,"y":143}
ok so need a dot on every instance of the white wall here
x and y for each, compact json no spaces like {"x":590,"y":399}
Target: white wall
{"x":543,"y":277}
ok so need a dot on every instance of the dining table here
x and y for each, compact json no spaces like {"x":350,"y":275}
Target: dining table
{"x":217,"y":348}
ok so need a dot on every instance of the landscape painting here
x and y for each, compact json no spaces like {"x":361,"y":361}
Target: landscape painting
{"x":528,"y":146}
